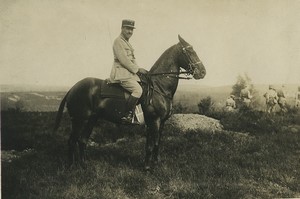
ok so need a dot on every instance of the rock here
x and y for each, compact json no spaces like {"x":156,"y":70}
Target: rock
{"x":193,"y":122}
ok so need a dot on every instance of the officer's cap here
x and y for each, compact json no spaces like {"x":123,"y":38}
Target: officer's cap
{"x":128,"y":23}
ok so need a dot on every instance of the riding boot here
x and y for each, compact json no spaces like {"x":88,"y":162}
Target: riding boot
{"x":131,"y":103}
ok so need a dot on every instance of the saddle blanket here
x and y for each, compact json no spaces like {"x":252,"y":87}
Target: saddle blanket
{"x":113,"y":90}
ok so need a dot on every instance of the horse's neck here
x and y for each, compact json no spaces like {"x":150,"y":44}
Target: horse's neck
{"x":167,"y":63}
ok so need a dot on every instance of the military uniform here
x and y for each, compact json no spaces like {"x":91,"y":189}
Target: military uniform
{"x":281,"y":100}
{"x":124,"y":67}
{"x":245,"y":97}
{"x":297,"y":99}
{"x":271,"y":98}
{"x":230,"y":104}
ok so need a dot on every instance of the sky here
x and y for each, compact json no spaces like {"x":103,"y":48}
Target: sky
{"x":59,"y":42}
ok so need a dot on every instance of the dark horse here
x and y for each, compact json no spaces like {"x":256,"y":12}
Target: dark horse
{"x":86,"y":104}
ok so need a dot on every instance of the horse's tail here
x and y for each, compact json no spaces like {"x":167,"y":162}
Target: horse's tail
{"x":59,"y":113}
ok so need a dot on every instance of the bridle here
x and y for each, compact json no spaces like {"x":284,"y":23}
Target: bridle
{"x":191,"y":64}
{"x":188,"y":72}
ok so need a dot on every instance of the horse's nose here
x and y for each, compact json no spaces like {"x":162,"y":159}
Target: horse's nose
{"x":203,"y":73}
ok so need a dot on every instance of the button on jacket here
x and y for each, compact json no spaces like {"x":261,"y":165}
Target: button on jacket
{"x":124,"y":67}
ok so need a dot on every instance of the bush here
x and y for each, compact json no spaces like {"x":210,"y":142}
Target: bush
{"x":179,"y":108}
{"x":205,"y":105}
{"x":254,"y":121}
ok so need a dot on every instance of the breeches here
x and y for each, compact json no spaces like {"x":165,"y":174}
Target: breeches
{"x":133,"y":87}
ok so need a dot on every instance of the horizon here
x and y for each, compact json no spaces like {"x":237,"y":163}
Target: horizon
{"x":29,"y":87}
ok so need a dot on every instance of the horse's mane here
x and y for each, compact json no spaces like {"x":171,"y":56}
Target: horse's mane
{"x":162,"y":59}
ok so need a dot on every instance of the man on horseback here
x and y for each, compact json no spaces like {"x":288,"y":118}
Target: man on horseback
{"x":125,"y":69}
{"x":87,"y":101}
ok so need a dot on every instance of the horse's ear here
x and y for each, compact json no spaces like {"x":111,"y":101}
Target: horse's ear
{"x":182,"y":41}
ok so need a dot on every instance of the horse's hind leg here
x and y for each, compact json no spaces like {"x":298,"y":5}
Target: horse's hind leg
{"x":77,"y":126}
{"x":84,"y":136}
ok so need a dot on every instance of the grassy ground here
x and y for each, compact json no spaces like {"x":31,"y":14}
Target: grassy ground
{"x":194,"y":165}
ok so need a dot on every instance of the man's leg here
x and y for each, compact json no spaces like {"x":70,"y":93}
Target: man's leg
{"x":136,"y":92}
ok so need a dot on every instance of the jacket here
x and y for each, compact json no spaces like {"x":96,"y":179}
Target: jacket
{"x":271,"y":96}
{"x":124,"y":66}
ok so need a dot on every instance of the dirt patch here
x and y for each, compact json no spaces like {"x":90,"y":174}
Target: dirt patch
{"x":193,"y":122}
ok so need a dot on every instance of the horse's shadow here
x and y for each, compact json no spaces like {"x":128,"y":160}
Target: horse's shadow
{"x":117,"y":145}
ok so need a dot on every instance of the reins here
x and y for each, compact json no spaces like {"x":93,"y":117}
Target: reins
{"x":173,"y":74}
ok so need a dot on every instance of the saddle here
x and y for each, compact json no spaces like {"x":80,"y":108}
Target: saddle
{"x":115,"y":90}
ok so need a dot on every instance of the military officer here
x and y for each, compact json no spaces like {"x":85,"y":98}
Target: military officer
{"x":125,"y":68}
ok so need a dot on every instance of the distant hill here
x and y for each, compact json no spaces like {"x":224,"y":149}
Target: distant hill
{"x":31,"y":101}
{"x":48,"y":98}
{"x":31,"y":88}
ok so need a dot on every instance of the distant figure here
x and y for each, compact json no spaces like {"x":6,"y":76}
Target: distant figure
{"x":297,"y":98}
{"x":230,"y":104}
{"x":282,"y":99}
{"x":271,"y":98}
{"x":246,"y":96}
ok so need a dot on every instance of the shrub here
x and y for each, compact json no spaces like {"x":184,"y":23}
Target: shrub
{"x":179,"y":108}
{"x":255,"y":121}
{"x":205,"y":105}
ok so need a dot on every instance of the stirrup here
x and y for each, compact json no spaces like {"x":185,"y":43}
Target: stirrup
{"x":129,"y":119}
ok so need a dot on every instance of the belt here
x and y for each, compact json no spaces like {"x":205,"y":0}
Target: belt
{"x":116,"y":60}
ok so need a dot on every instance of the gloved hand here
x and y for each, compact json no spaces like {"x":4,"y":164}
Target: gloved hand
{"x":142,"y":71}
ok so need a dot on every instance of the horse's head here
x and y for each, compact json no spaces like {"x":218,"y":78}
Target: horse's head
{"x":190,"y":61}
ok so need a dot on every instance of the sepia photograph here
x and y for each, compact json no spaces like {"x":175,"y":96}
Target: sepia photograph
{"x":150,"y":99}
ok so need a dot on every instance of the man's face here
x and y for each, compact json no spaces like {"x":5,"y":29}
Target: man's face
{"x":127,"y":32}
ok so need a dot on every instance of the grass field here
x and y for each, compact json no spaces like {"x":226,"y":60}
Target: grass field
{"x":194,"y":165}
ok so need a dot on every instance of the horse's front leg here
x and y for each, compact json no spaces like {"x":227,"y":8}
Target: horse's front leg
{"x":152,"y":140}
{"x":155,"y":154}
